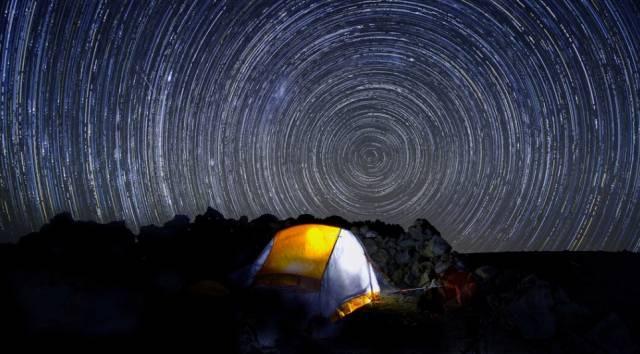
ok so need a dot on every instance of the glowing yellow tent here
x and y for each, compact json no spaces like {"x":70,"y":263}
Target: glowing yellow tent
{"x":325,"y":265}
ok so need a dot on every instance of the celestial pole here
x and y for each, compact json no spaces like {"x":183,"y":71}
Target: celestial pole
{"x":510,"y":125}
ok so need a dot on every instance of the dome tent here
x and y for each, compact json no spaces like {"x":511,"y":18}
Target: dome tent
{"x":324,"y":266}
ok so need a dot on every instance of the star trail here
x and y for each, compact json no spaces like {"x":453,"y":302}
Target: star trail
{"x":510,"y":125}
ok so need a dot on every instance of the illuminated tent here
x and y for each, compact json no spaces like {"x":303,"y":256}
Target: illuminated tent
{"x":325,"y":266}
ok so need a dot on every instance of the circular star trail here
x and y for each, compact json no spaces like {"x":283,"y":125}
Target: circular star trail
{"x":510,"y":125}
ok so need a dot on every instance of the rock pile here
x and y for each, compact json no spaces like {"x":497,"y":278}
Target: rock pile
{"x":409,"y":259}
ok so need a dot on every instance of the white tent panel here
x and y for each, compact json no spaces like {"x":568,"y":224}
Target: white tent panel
{"x":348,"y":274}
{"x":258,"y":263}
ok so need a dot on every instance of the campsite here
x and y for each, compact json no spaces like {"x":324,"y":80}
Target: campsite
{"x":189,"y":282}
{"x":320,"y":176}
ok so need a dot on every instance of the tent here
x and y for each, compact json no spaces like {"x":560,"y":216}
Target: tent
{"x":324,"y":266}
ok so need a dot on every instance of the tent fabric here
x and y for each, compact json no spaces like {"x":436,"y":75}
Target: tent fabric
{"x":288,"y":280}
{"x":328,"y":264}
{"x":248,"y":278}
{"x":301,"y":250}
{"x":348,"y":274}
{"x":353,"y":304}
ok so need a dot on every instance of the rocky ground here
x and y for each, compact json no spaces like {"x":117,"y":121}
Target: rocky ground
{"x":82,"y":282}
{"x":518,"y":308}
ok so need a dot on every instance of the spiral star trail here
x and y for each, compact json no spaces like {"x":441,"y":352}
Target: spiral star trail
{"x":510,"y":125}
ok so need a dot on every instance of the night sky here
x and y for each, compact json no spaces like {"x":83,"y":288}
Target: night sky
{"x":510,"y":125}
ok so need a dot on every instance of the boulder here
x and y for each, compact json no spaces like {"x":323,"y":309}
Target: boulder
{"x":426,"y":251}
{"x":421,"y":228}
{"x":407,"y":243}
{"x":370,"y":234}
{"x":381,"y":257}
{"x":370,"y":245}
{"x":439,"y":246}
{"x":442,"y":265}
{"x":418,"y":268}
{"x":415,"y":232}
{"x":425,"y":279}
{"x":210,"y":215}
{"x":410,"y":279}
{"x":402,"y":257}
{"x":397,"y":277}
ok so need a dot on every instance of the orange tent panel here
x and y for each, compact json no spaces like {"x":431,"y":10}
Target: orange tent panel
{"x":302,"y":250}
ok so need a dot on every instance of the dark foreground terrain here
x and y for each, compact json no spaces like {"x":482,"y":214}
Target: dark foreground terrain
{"x":86,"y":284}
